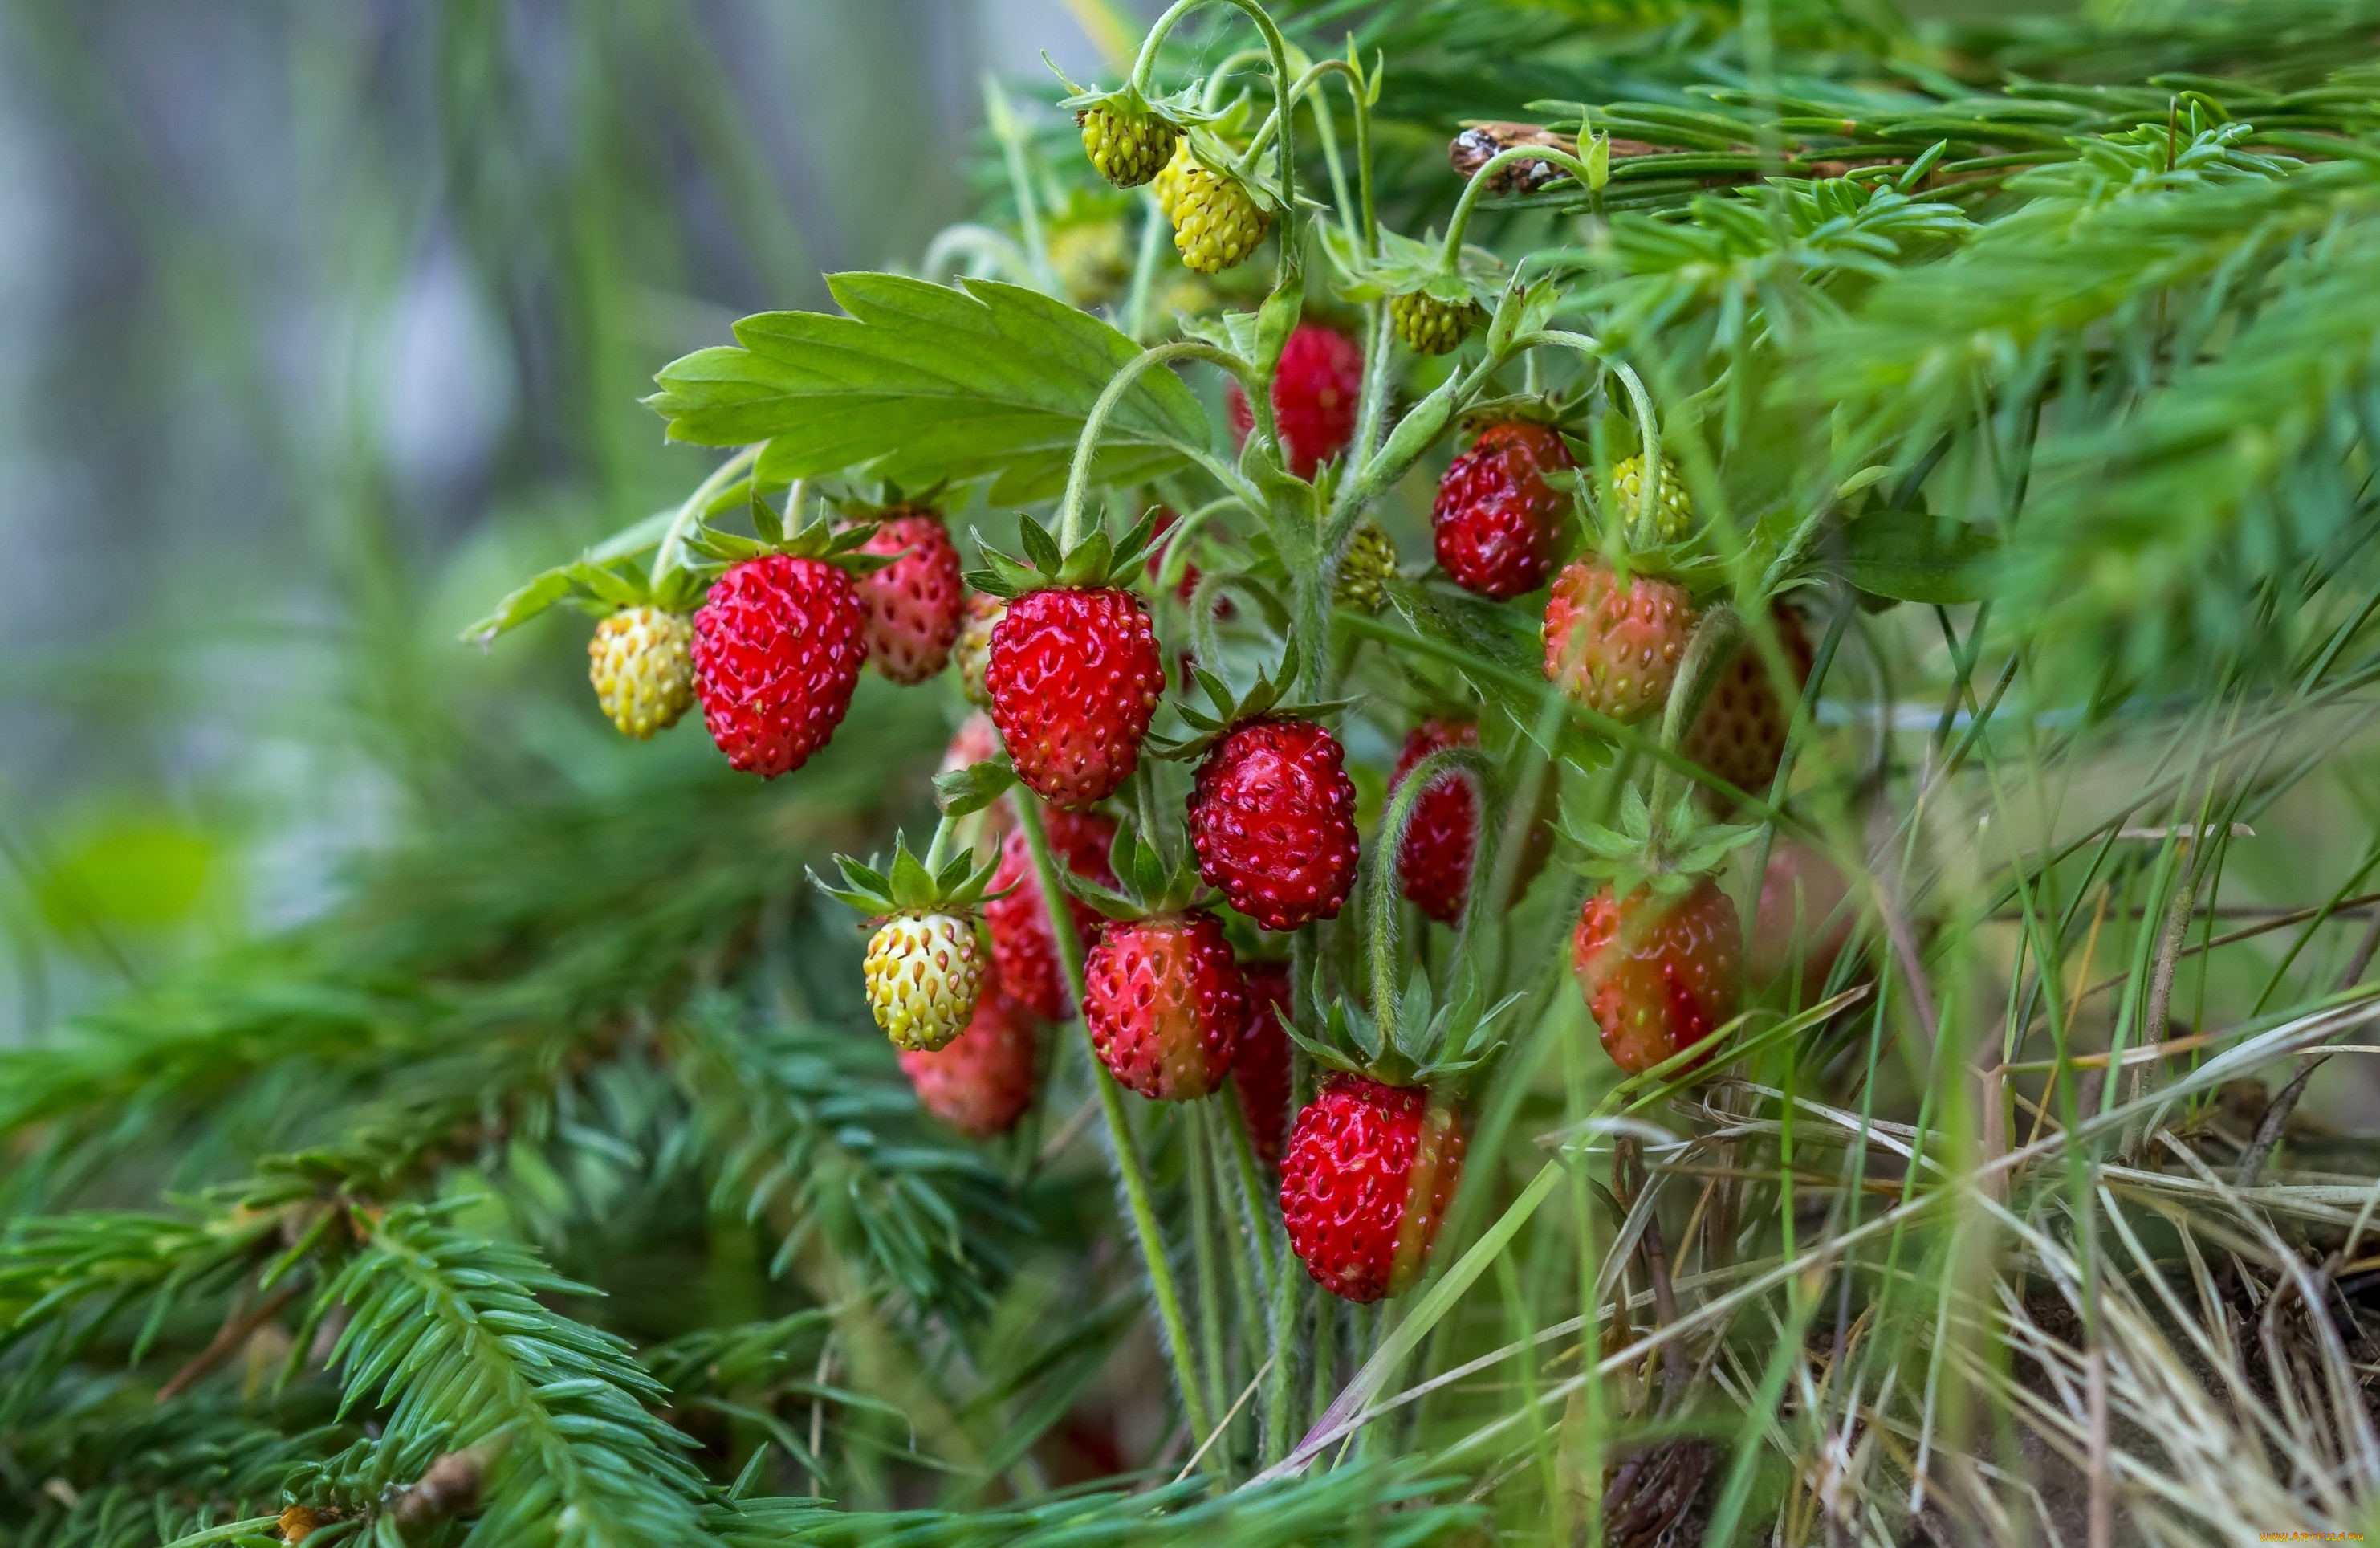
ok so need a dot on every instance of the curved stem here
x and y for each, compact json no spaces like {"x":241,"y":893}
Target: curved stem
{"x":1717,"y":637}
{"x":1078,"y":475}
{"x":1129,"y":1171}
{"x":1386,"y":851}
{"x":1648,"y":426}
{"x":1145,"y":67}
{"x":669,"y":556}
{"x":1461,"y":219}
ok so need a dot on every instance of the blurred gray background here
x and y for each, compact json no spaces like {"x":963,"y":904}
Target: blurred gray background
{"x":321,"y":322}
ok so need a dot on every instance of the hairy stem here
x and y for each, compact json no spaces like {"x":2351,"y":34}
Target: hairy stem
{"x":1129,"y":1169}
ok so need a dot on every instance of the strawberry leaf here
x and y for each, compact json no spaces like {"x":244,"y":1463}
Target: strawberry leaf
{"x":923,"y":382}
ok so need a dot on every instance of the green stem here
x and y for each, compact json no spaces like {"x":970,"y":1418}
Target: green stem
{"x":1154,"y":241}
{"x":1011,"y":135}
{"x":1461,"y":219}
{"x":1144,"y":69}
{"x":1387,"y":957}
{"x":1078,"y":474}
{"x":669,"y":556}
{"x":1129,"y":1170}
{"x":1199,"y":1174}
{"x":1716,"y":640}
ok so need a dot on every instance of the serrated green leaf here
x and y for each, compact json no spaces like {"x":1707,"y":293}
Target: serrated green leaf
{"x":921,"y":383}
{"x":974,"y":788}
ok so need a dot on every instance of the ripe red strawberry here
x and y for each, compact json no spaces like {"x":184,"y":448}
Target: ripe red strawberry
{"x":1074,"y":677}
{"x":981,"y":1081}
{"x":1314,"y":396}
{"x":1739,"y":734}
{"x":777,"y":650}
{"x":913,"y":603}
{"x":1434,"y":864}
{"x":1367,"y":1180}
{"x":1615,"y":648}
{"x":1260,"y":1067}
{"x":1165,"y":1003}
{"x":1272,"y":818}
{"x":1023,"y":951}
{"x":1498,"y":525}
{"x":1659,"y":972}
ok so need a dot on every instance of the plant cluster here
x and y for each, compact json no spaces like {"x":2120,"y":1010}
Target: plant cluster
{"x":1556,"y":1040}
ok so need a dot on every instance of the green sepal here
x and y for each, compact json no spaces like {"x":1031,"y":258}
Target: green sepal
{"x":1406,"y":267}
{"x":1181,"y":108}
{"x":1433,"y":1045}
{"x":971,"y":789}
{"x":806,"y":539}
{"x":912,"y":885}
{"x":1262,"y":701}
{"x":1096,"y":561}
{"x":1151,"y":878}
{"x":1669,"y":852}
{"x":571,"y":582}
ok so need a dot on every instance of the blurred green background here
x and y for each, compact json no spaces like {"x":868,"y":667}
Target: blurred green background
{"x":321,"y":322}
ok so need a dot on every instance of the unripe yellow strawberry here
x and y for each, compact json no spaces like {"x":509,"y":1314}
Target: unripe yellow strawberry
{"x":642,"y":664}
{"x":1673,"y":509}
{"x":1127,"y":148}
{"x":924,"y":972}
{"x":973,"y":649}
{"x":1371,"y":558}
{"x":1216,"y":223}
{"x":1430,"y":327}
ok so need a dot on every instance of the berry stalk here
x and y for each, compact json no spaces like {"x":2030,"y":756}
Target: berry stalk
{"x":1144,"y":70}
{"x":1078,"y":473}
{"x":1129,"y":1170}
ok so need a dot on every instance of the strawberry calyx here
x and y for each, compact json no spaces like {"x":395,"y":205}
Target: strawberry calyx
{"x":1668,"y":851}
{"x":818,"y":539}
{"x":1419,"y":1042}
{"x":1406,"y":267}
{"x":1154,"y":879}
{"x":1096,"y":561}
{"x":1262,"y":701}
{"x":914,"y":885}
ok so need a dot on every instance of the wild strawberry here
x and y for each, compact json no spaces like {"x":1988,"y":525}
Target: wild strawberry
{"x":1660,"y":973}
{"x":1673,"y":508}
{"x":642,"y":665}
{"x":981,"y":1081}
{"x":1615,"y":648}
{"x":1074,"y":677}
{"x":1434,"y":863}
{"x":1022,"y":948}
{"x":777,"y":651}
{"x":1216,"y":223}
{"x":924,"y":972}
{"x":1739,"y":734}
{"x":1260,"y":1067}
{"x":1366,"y":1182}
{"x":1272,"y":818}
{"x":924,"y":966}
{"x":1128,"y":147}
{"x":1803,"y":920}
{"x":914,"y":602}
{"x":1316,"y":390}
{"x":973,"y":648}
{"x":1430,"y":327}
{"x":1498,"y":524}
{"x":1165,"y":1003}
{"x":1366,"y":569}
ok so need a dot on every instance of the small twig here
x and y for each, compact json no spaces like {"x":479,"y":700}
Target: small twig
{"x":2278,"y":921}
{"x":1070,"y":1131}
{"x":238,"y":1327}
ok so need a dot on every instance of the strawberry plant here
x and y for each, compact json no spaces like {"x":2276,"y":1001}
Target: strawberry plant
{"x":1583,"y":907}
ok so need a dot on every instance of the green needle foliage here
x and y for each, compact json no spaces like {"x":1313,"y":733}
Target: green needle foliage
{"x":1986,"y":1175}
